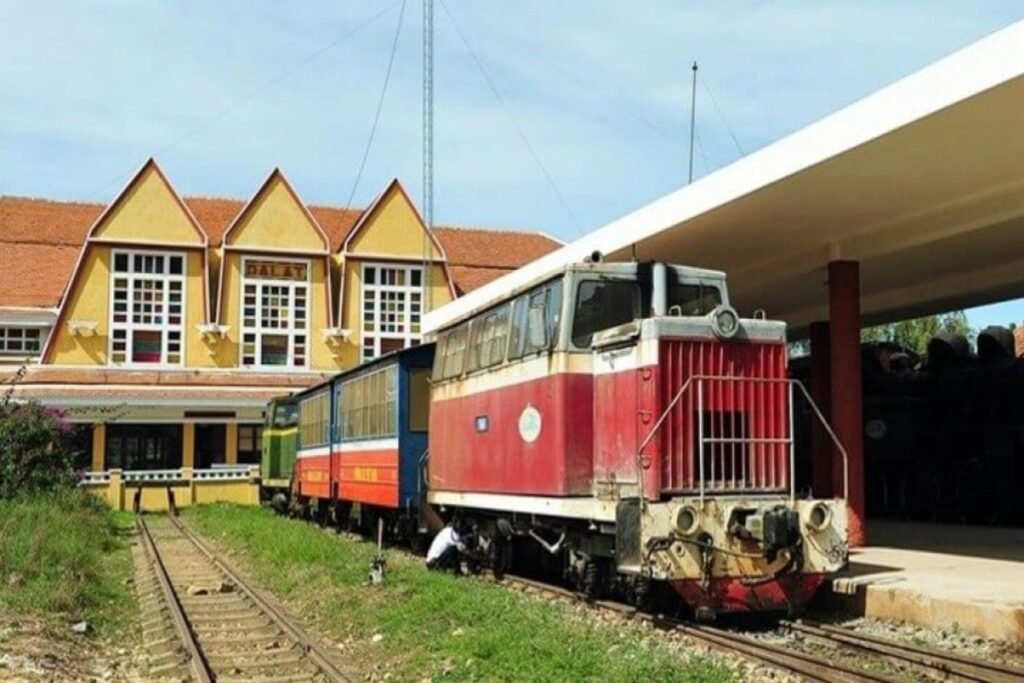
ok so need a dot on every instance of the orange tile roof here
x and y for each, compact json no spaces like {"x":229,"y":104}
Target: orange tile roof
{"x":40,"y":240}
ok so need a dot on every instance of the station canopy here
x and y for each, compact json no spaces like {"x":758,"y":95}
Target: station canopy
{"x":922,"y":183}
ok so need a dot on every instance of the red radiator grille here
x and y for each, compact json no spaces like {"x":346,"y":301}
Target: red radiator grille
{"x":739,"y":393}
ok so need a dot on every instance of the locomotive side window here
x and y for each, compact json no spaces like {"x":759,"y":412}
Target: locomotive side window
{"x":488,"y":339}
{"x":454,"y":352}
{"x":539,"y":331}
{"x":692,"y":298}
{"x":603,"y":304}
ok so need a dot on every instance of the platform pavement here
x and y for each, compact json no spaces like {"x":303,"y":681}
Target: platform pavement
{"x":944,"y":576}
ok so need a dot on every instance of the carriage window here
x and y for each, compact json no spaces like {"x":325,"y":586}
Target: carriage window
{"x":454,"y":352}
{"x":367,"y":405}
{"x":489,"y":337}
{"x":693,"y":298}
{"x":601,"y":305}
{"x":313,"y":420}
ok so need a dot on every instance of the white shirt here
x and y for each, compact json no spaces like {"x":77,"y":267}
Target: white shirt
{"x":445,"y":539}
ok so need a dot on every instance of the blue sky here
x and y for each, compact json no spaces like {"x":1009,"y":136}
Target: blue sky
{"x":222,"y":92}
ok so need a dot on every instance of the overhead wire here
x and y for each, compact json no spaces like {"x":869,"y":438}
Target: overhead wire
{"x":380,"y":106}
{"x":273,"y":80}
{"x":512,"y":119}
{"x":721,"y":114}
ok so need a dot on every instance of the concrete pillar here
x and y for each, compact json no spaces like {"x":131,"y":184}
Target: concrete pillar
{"x":846,"y":390}
{"x":99,"y":447}
{"x":188,"y":444}
{"x":821,"y":392}
{"x":231,"y":444}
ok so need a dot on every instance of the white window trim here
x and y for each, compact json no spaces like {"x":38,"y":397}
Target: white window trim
{"x":407,"y":336}
{"x":259,"y":330}
{"x":131,"y":326}
{"x":44,"y":333}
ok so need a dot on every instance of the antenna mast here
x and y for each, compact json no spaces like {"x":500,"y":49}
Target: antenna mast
{"x":693,"y":116}
{"x":428,"y":150}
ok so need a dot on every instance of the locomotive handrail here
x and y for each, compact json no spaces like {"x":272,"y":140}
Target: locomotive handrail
{"x":700,"y":380}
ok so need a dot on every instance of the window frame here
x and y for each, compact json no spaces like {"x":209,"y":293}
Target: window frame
{"x":259,"y":330}
{"x":318,"y":425}
{"x":406,"y":336}
{"x":580,"y":284}
{"x":479,"y":327}
{"x":41,"y":334}
{"x":371,"y":399}
{"x":129,"y":327}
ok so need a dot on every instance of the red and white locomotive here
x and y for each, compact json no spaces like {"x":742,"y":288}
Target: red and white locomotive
{"x":631,"y":430}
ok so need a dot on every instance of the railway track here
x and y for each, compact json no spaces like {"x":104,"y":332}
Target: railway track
{"x":199,"y":614}
{"x":908,"y":660}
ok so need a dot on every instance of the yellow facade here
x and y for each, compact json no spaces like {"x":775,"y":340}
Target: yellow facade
{"x":276,"y":220}
{"x":149,"y":212}
{"x":393,"y":230}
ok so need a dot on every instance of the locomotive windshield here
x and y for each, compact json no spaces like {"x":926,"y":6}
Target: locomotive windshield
{"x":603,"y":304}
{"x":286,"y":414}
{"x":692,"y":298}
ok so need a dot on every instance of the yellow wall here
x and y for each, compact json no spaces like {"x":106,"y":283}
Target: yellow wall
{"x":393,"y":229}
{"x":440,"y":295}
{"x":88,"y":301}
{"x":148,"y":212}
{"x":275,"y":220}
{"x":228,"y":350}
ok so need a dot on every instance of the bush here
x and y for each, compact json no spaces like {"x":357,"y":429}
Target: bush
{"x":63,"y":554}
{"x":35,"y":449}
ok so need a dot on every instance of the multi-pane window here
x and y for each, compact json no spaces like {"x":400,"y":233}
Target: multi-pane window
{"x":489,"y":339}
{"x":275,"y":313}
{"x":21,"y":341}
{"x":314,"y":424}
{"x":250,"y":438}
{"x":392,"y":308}
{"x":147,"y":316}
{"x":367,"y":405}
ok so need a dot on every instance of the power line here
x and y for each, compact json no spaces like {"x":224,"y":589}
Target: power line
{"x":508,"y":113}
{"x":380,"y":105}
{"x":721,"y":115}
{"x":273,"y":80}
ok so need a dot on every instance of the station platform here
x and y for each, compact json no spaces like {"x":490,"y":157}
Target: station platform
{"x":937,"y":575}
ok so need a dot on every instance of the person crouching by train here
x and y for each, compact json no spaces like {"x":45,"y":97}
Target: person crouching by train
{"x":445,"y":553}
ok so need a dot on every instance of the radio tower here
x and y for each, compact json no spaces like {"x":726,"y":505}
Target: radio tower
{"x":428,"y":149}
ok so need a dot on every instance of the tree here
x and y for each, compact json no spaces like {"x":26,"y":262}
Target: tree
{"x":35,"y":448}
{"x":915,"y":334}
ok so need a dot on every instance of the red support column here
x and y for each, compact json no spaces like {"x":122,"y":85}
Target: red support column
{"x":846,"y":390}
{"x":821,"y":392}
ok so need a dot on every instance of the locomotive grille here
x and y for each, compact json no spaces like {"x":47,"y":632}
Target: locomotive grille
{"x":729,"y":432}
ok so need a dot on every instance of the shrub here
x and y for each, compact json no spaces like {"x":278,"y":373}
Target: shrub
{"x":35,"y":449}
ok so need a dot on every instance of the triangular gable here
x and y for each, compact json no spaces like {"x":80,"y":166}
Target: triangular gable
{"x":276,"y":219}
{"x":386,"y":229}
{"x":148,"y":211}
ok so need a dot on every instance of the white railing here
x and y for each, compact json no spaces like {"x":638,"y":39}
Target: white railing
{"x":226,"y":473}
{"x":173,"y":476}
{"x":95,"y":478}
{"x":147,"y":476}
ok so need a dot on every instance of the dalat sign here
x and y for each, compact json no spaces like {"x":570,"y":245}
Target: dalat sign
{"x":275,"y":270}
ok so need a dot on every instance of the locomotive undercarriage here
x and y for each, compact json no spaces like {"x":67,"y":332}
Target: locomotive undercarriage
{"x":719,"y":555}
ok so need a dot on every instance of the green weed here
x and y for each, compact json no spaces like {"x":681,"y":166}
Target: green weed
{"x":437,"y":625}
{"x":64,"y":555}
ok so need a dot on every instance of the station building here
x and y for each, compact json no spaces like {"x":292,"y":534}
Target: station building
{"x":163,"y":324}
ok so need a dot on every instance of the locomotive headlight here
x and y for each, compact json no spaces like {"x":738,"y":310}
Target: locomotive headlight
{"x":725,"y":322}
{"x":686,"y":520}
{"x":819,"y":517}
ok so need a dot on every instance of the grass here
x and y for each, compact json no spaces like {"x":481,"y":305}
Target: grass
{"x":422,"y":624}
{"x":64,"y":556}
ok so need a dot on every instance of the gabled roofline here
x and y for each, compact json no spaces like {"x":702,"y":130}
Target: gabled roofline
{"x":362,"y":222}
{"x":236,"y":221}
{"x":90,"y":239}
{"x":276,"y":173}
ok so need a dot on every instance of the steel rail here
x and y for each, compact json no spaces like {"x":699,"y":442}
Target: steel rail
{"x":307,"y":644}
{"x":197,"y":662}
{"x":807,"y":665}
{"x":947,"y":664}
